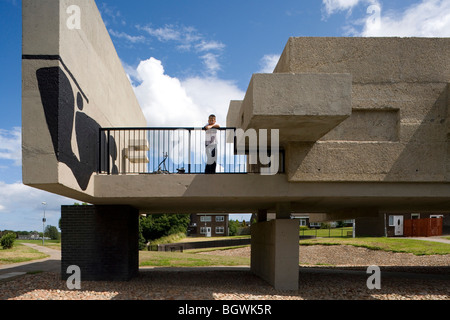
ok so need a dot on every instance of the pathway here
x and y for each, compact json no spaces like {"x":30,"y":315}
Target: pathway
{"x":51,"y":263}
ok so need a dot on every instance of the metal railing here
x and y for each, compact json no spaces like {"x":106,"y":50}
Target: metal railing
{"x":169,"y":151}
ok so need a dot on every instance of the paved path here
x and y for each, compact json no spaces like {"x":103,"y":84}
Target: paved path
{"x":52,"y":263}
{"x":435,"y":239}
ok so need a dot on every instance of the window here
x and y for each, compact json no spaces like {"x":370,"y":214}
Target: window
{"x":302,"y":222}
{"x":220,"y":230}
{"x":415,"y":215}
{"x":205,"y":218}
{"x":437,"y":216}
{"x":391,"y":221}
{"x":220,"y":218}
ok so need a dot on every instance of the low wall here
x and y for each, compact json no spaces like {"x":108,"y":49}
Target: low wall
{"x":203,"y":244}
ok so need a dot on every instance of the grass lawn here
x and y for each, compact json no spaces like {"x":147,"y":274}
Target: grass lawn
{"x":52,"y":244}
{"x":186,"y":259}
{"x":332,"y":232}
{"x":19,"y":253}
{"x":417,"y":247}
{"x":181,"y":237}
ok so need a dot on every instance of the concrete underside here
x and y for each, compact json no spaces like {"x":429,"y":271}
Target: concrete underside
{"x":250,"y":192}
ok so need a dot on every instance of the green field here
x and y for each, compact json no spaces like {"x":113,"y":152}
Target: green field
{"x":188,"y":259}
{"x":20,"y":253}
{"x":417,"y":247}
{"x":332,"y":232}
{"x":192,"y":258}
{"x":52,"y":244}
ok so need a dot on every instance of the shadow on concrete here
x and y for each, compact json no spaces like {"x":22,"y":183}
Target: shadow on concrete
{"x":47,"y":265}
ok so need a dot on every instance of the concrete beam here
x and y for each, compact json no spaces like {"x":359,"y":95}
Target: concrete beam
{"x":304,"y":107}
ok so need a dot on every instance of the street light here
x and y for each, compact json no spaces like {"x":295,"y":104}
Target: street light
{"x":43,"y":224}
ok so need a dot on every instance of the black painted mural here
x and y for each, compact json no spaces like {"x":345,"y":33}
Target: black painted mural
{"x":63,"y":108}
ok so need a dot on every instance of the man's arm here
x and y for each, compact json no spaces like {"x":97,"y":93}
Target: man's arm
{"x":215,"y":126}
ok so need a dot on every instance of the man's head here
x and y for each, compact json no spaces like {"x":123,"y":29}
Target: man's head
{"x":212,"y":119}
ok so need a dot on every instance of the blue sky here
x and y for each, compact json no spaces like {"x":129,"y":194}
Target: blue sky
{"x":189,"y":58}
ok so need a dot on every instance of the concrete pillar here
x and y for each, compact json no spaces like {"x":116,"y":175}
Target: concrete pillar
{"x":101,"y":240}
{"x":274,"y":245}
{"x":283,"y":210}
{"x":262,"y":215}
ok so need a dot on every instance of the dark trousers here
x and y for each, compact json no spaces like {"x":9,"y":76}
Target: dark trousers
{"x":211,"y":161}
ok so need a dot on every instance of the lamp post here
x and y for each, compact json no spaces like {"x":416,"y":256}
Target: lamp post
{"x":43,"y":224}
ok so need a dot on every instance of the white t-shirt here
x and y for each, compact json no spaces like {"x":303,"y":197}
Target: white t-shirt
{"x":210,"y":136}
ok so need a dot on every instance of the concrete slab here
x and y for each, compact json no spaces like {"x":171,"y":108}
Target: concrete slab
{"x":304,"y":107}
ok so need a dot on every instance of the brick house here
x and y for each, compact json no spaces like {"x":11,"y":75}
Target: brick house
{"x":394,"y":223}
{"x":208,"y":225}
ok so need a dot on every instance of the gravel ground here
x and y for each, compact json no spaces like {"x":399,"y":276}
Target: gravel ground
{"x":432,"y":280}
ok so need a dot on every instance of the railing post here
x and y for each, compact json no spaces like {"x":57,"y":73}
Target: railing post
{"x":108,"y":165}
{"x":189,"y":151}
{"x":99,"y":164}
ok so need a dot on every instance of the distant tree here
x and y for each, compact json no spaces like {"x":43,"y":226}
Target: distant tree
{"x":155,"y":226}
{"x":234,"y":226}
{"x":142,"y":242}
{"x":52,"y":232}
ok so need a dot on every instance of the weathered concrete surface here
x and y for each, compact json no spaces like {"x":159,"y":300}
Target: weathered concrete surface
{"x":370,"y":60}
{"x":304,"y":107}
{"x":200,"y":193}
{"x":275,"y":254}
{"x":398,"y":130}
{"x":364,"y":123}
{"x":73,"y":84}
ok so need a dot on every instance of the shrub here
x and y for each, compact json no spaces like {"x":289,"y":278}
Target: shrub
{"x":7,"y":241}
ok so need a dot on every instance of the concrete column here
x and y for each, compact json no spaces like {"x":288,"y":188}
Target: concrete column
{"x":262,"y":215}
{"x":283,"y":210}
{"x":275,"y":255}
{"x":101,"y":240}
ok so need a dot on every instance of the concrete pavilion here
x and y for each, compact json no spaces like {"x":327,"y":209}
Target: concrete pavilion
{"x":363,"y":129}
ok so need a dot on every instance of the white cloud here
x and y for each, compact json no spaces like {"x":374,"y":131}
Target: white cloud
{"x":211,"y":63}
{"x":21,"y":207}
{"x":110,"y":13}
{"x":188,"y":39}
{"x":333,"y":6}
{"x":168,"y":101}
{"x":11,"y":145}
{"x":167,"y":33}
{"x":129,"y":38}
{"x":209,"y":45}
{"x":268,"y":63}
{"x":162,"y":98}
{"x":429,"y":18}
{"x":212,"y":96}
{"x":185,"y":37}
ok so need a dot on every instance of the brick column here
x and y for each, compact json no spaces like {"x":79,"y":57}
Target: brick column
{"x":101,"y":240}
